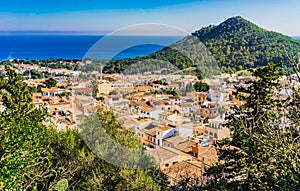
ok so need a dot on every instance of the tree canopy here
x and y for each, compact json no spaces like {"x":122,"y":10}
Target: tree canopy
{"x":201,"y":86}
{"x":237,"y":43}
{"x":50,"y":82}
{"x":263,"y":152}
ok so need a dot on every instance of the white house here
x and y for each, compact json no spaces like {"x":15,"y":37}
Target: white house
{"x":175,"y":100}
{"x":147,"y":112}
{"x":163,"y":133}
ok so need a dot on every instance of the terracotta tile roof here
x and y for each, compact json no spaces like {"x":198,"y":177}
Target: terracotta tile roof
{"x":58,"y":101}
{"x":164,"y":128}
{"x":49,"y":90}
{"x":78,"y":90}
{"x":142,"y":104}
{"x":146,"y":109}
{"x":182,"y":171}
{"x":174,"y":97}
{"x":143,"y":88}
{"x":180,"y":143}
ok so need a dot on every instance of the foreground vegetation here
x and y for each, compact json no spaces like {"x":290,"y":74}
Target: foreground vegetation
{"x":263,"y":153}
{"x":36,"y":157}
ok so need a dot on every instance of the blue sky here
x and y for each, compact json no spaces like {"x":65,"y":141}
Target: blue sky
{"x":96,"y":15}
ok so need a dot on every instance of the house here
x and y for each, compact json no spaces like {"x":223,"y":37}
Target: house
{"x":210,"y":110}
{"x":205,"y":153}
{"x":186,"y":170}
{"x":217,"y":91}
{"x":143,"y":89}
{"x":157,"y":86}
{"x":163,"y":132}
{"x":199,"y":129}
{"x":179,"y":142}
{"x":59,"y":71}
{"x":215,"y":130}
{"x":171,"y":87}
{"x":121,"y":85}
{"x":133,"y":107}
{"x":63,"y":119}
{"x":80,"y":90}
{"x":147,"y":135}
{"x":112,"y":99}
{"x":175,"y":100}
{"x":30,"y":66}
{"x":188,"y":109}
{"x":148,"y":112}
{"x":51,"y":92}
{"x":135,"y":96}
{"x":186,"y":129}
{"x":168,"y":156}
{"x":175,"y":118}
{"x":56,"y":103}
{"x":199,"y":98}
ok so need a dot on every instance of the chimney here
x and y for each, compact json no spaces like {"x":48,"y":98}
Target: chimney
{"x":101,"y":68}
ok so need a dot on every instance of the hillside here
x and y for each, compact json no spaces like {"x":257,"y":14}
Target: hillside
{"x":239,"y":43}
{"x":233,"y":45}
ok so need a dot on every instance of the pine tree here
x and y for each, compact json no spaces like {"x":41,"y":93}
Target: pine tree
{"x":263,"y":152}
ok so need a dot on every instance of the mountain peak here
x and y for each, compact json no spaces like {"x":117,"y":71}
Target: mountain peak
{"x":232,"y":20}
{"x":239,"y":42}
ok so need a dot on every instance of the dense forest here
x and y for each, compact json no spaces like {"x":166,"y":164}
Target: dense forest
{"x":240,"y":44}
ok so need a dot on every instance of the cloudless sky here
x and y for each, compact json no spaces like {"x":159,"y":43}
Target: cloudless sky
{"x":97,"y":15}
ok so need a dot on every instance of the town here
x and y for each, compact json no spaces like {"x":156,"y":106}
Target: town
{"x":177,"y":124}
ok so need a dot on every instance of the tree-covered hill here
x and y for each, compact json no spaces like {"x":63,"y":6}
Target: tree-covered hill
{"x":235,"y":44}
{"x":239,"y":43}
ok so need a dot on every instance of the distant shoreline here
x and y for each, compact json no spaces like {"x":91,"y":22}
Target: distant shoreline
{"x":45,"y":46}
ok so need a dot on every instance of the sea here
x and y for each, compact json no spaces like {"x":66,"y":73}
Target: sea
{"x":78,"y":46}
{"x":43,"y":46}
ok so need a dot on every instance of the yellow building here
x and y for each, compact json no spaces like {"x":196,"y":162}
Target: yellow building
{"x":199,"y":97}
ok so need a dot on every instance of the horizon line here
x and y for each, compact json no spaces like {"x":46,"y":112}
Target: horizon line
{"x":76,"y":32}
{"x":85,"y":32}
